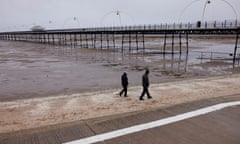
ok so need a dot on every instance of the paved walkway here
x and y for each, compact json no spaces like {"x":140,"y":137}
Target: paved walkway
{"x":219,"y":127}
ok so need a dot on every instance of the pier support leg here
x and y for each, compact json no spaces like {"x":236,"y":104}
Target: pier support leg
{"x":164,"y":44}
{"x":129,"y":41}
{"x":64,"y":39}
{"x":101,"y":41}
{"x":80,"y":35}
{"x":48,"y":39}
{"x":113,"y":39}
{"x":143,"y":41}
{"x":53,"y":39}
{"x":44,"y":38}
{"x":122,"y":42}
{"x":107,"y":41}
{"x":137,"y":40}
{"x":235,"y":49}
{"x":180,"y":43}
{"x":71,"y":40}
{"x":187,"y":42}
{"x":172,"y":43}
{"x":92,"y":39}
{"x":75,"y":40}
{"x":95,"y":39}
{"x":86,"y":40}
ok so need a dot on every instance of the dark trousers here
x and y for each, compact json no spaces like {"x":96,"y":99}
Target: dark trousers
{"x":124,"y":90}
{"x":145,"y":90}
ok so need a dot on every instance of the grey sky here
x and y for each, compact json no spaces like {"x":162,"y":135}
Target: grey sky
{"x":23,"y":14}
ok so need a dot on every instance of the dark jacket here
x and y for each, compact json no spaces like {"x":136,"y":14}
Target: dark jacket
{"x":124,"y":80}
{"x":145,"y":80}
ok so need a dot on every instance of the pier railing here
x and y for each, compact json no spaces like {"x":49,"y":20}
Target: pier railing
{"x":197,"y":25}
{"x":226,"y":24}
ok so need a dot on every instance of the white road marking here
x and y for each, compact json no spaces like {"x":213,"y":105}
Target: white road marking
{"x":154,"y":124}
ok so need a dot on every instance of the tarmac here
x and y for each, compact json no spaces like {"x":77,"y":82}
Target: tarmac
{"x":220,"y":127}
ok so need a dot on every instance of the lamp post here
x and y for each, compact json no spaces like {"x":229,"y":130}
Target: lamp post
{"x":207,"y":2}
{"x":204,"y":9}
{"x":119,"y":14}
{"x":50,"y":24}
{"x":73,"y":19}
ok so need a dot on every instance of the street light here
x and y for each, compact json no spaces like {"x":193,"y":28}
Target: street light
{"x":204,"y":9}
{"x":207,"y":2}
{"x":69,"y":19}
{"x":117,"y":13}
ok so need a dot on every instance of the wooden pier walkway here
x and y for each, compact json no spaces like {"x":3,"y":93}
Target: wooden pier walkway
{"x":219,"y":127}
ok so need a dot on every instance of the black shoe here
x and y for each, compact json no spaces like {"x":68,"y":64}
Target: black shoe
{"x":141,"y":99}
{"x":125,"y":96}
{"x":149,"y":97}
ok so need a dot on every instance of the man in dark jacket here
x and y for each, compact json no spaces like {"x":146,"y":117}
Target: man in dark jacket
{"x":145,"y":84}
{"x":124,"y":84}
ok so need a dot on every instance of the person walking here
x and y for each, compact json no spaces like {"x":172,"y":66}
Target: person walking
{"x":124,"y":79}
{"x":145,"y":84}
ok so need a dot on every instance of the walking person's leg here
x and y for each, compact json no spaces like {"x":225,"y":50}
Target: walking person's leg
{"x":121,"y":92}
{"x":125,"y":90}
{"x":148,"y":94}
{"x":143,"y":93}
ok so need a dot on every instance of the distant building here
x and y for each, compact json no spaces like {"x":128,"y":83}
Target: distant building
{"x":38,"y":28}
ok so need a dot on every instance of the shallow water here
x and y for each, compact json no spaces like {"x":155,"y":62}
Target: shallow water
{"x":34,"y":70}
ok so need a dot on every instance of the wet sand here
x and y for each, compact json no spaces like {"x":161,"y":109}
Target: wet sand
{"x":30,"y":70}
{"x":34,"y":70}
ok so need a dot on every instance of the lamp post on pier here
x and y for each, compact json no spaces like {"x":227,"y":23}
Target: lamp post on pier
{"x":206,"y":3}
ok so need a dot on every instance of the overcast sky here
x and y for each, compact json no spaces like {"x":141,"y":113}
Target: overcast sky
{"x":23,"y":14}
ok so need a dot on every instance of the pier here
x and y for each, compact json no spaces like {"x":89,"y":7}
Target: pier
{"x":173,"y":39}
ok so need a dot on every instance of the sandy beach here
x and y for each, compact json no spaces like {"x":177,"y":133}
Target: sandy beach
{"x":38,"y":112}
{"x":42,"y":85}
